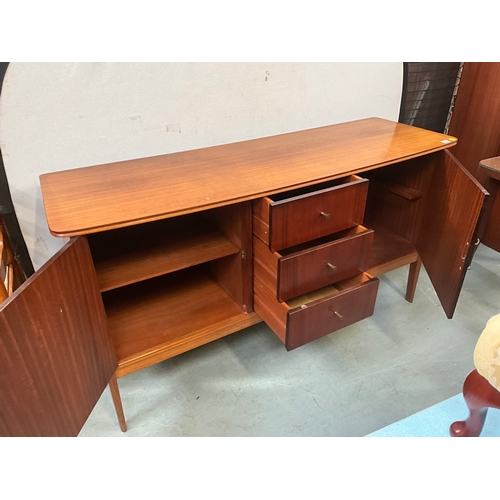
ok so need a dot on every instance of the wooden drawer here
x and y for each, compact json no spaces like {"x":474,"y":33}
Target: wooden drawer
{"x":302,"y":269}
{"x":309,"y":317}
{"x":288,"y":219}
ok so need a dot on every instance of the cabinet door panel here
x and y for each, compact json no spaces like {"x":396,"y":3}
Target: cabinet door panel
{"x":56,"y":357}
{"x":453,"y":204}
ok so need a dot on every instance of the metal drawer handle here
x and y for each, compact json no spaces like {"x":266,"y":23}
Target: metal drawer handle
{"x":338,"y":314}
{"x":325,"y":215}
{"x":331,"y":266}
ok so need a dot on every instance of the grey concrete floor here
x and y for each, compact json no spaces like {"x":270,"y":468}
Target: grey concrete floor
{"x":404,"y":358}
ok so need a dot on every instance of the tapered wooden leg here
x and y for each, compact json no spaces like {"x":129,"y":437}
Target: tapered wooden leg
{"x":412,"y":279}
{"x":117,"y":401}
{"x":479,"y":395}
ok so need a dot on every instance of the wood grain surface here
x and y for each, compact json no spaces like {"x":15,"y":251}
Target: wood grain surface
{"x":331,"y":313}
{"x":449,"y":224}
{"x":476,"y":120}
{"x":305,"y":268}
{"x":128,"y":255}
{"x":56,"y":357}
{"x":326,"y":210}
{"x":489,"y":233}
{"x":156,"y":319}
{"x":96,"y":198}
{"x":476,"y":115}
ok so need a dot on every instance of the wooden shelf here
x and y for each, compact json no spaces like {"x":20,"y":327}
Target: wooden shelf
{"x":393,"y":187}
{"x":128,"y":255}
{"x":156,"y":319}
{"x":389,"y":251}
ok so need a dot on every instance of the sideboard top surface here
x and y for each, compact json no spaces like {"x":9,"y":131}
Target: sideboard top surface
{"x":101,"y":197}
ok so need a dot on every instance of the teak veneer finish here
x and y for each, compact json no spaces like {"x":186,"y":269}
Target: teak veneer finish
{"x":155,"y":320}
{"x":56,"y":356}
{"x":171,"y":256}
{"x":310,"y":213}
{"x":442,"y":224}
{"x":305,"y":268}
{"x":446,"y":263}
{"x":128,"y":255}
{"x":390,"y":251}
{"x":102,"y":197}
{"x":313,"y":315}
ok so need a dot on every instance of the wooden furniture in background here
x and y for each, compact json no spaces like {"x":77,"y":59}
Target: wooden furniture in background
{"x":6,"y":257}
{"x":489,"y":225}
{"x":11,"y":274}
{"x":479,"y":396}
{"x":476,"y":121}
{"x":481,"y":389}
{"x":169,"y":247}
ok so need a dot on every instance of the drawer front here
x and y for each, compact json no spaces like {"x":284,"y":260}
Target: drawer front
{"x":310,"y":216}
{"x":323,"y":265}
{"x":329,"y":314}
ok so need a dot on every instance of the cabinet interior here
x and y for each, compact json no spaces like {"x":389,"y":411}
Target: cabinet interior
{"x":346,"y":233}
{"x":316,"y":188}
{"x":394,"y":210}
{"x":167,"y":283}
{"x":132,"y":254}
{"x":328,"y":291}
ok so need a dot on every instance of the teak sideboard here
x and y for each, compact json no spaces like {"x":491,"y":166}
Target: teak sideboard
{"x":171,"y":252}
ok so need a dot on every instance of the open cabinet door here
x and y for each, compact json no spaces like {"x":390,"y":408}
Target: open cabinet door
{"x":446,"y":240}
{"x":56,"y":357}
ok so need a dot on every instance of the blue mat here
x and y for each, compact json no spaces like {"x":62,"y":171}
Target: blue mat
{"x":436,"y":420}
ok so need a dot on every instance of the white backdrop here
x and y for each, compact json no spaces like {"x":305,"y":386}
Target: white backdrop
{"x":55,"y":116}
